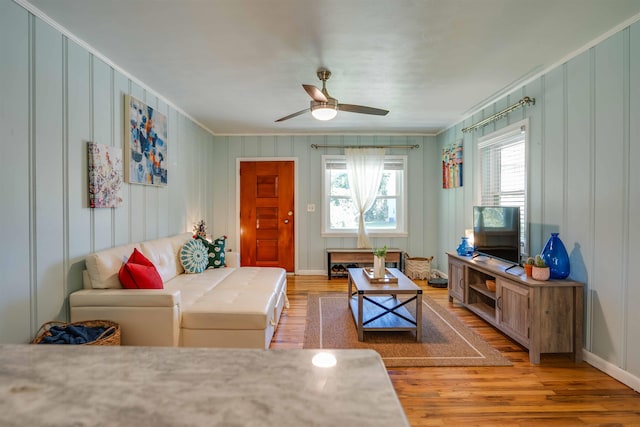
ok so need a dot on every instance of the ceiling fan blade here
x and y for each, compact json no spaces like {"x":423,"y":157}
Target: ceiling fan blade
{"x":315,"y":93}
{"x":362,"y":109}
{"x":290,"y":116}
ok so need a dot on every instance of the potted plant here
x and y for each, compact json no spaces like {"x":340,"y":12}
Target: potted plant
{"x":528,"y":266}
{"x":379,"y":267}
{"x":540,"y":269}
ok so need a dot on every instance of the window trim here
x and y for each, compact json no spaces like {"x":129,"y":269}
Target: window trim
{"x":403,"y":199}
{"x":499,"y":134}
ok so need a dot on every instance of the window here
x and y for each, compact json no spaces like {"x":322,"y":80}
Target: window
{"x":387,"y":217}
{"x":502,"y":169}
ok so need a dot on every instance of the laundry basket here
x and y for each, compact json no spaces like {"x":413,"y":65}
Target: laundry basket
{"x":110,"y":336}
{"x":417,"y":267}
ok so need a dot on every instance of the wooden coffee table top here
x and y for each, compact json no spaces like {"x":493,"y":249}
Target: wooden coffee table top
{"x":403,"y":286}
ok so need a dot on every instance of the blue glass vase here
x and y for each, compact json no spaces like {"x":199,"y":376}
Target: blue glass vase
{"x":556,"y":257}
{"x":465,"y":248}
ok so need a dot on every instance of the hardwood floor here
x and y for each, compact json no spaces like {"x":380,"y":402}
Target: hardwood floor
{"x":556,"y":392}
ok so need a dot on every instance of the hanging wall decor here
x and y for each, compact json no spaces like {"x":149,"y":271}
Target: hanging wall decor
{"x":146,"y":144}
{"x":452,"y":165}
{"x":105,"y":176}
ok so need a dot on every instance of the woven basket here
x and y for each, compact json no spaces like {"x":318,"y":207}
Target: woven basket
{"x":417,"y":267}
{"x":111,"y":335}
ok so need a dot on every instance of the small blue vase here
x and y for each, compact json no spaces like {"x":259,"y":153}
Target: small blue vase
{"x":556,"y":257}
{"x":465,"y":249}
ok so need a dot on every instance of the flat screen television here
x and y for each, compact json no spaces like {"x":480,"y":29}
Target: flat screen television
{"x":496,"y":232}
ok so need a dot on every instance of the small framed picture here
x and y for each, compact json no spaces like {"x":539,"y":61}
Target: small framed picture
{"x":105,"y":176}
{"x":452,"y":166}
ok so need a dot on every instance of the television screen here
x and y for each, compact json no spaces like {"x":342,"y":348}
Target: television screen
{"x":496,"y":232}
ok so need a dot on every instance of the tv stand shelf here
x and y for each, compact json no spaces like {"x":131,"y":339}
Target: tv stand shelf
{"x":544,"y":317}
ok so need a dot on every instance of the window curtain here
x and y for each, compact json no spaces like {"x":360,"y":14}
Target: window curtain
{"x":365,"y":167}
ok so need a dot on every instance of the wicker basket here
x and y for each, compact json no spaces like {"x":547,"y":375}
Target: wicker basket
{"x":111,"y":335}
{"x":417,"y":267}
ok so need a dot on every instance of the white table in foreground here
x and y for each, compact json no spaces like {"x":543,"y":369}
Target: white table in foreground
{"x":63,"y":385}
{"x":376,"y":307}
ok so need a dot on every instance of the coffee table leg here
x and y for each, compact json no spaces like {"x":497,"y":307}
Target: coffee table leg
{"x":359,"y":326}
{"x":419,"y":316}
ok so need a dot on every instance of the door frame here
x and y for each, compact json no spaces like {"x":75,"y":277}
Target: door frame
{"x":296,"y":204}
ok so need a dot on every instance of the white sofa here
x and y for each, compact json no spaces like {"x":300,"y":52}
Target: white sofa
{"x":223,"y":307}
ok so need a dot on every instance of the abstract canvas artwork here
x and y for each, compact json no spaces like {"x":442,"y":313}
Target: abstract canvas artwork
{"x":452,"y":165}
{"x":105,"y":176}
{"x":146,"y":144}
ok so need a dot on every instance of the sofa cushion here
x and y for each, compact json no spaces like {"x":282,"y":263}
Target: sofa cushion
{"x":216,"y":249}
{"x":103,"y":267}
{"x":163,"y":253}
{"x":137,"y":276}
{"x":245,"y":299}
{"x":194,"y":256}
{"x":194,"y":286}
{"x":139,"y":273}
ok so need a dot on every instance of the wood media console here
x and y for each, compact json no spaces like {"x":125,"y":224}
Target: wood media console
{"x":544,"y":317}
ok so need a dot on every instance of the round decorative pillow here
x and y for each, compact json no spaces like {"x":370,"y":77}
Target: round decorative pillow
{"x":194,"y":257}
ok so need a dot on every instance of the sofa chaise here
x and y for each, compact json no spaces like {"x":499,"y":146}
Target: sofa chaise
{"x":220,"y":307}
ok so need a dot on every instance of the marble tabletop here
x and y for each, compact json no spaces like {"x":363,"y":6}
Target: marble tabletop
{"x":67,"y":385}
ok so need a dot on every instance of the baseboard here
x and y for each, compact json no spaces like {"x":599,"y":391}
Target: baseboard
{"x":612,"y":370}
{"x":311,"y":272}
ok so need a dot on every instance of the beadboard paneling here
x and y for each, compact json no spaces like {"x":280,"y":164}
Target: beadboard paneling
{"x":632,"y":296}
{"x":15,"y":163}
{"x":55,"y":97}
{"x":311,"y":246}
{"x":584,"y":141}
{"x":48,"y":149}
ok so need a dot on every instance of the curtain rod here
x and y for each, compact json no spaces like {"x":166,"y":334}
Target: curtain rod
{"x":497,"y":116}
{"x":316,"y":146}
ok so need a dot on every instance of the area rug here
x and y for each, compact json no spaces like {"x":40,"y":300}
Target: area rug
{"x":446,"y":341}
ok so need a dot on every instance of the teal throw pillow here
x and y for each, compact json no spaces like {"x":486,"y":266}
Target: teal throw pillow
{"x":194,"y":256}
{"x":216,"y":251}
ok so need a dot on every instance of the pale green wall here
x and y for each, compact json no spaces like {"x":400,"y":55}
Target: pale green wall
{"x":423,"y":182}
{"x":54,"y":98}
{"x":584,"y":146}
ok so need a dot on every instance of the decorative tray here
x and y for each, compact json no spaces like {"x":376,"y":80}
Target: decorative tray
{"x":388,"y":276}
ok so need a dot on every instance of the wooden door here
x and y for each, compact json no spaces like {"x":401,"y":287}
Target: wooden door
{"x":266,"y":214}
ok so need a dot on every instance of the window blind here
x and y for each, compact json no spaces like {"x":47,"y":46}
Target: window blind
{"x":503,"y":173}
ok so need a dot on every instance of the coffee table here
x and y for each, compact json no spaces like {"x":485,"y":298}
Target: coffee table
{"x":376,"y":307}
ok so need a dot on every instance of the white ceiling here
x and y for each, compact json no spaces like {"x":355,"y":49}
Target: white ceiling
{"x":237,"y":65}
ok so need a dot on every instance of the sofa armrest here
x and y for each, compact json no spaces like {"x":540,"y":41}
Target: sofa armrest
{"x":147,"y":317}
{"x":125,"y":298}
{"x":232,"y":259}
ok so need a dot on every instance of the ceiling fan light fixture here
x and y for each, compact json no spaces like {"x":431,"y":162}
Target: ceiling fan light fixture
{"x":324,"y":110}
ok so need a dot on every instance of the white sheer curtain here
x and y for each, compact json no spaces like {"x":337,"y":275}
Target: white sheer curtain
{"x":365,"y":167}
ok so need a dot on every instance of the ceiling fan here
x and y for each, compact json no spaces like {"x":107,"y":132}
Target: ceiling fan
{"x":325,"y":107}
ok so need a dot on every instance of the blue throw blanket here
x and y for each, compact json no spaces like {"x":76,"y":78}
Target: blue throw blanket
{"x":73,"y":334}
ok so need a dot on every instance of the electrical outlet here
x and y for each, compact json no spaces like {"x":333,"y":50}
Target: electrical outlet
{"x":311,"y":207}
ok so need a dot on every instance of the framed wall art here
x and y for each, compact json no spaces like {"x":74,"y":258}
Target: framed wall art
{"x":105,"y":176}
{"x":145,"y":144}
{"x":452,"y":165}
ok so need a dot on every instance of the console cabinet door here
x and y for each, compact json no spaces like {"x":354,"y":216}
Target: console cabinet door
{"x":513,"y":310}
{"x":456,"y":281}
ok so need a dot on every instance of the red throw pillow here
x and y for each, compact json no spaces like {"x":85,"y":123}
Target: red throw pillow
{"x":139,"y":273}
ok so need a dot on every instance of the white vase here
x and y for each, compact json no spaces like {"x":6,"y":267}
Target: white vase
{"x":379,"y":268}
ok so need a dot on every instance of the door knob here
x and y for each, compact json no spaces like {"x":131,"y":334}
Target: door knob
{"x":286,"y":221}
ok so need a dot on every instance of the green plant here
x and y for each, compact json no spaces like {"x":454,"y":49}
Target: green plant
{"x":380,"y":252}
{"x":530,"y":261}
{"x":540,"y":262}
